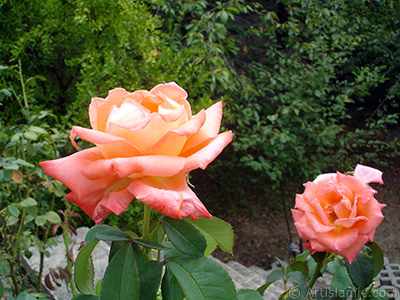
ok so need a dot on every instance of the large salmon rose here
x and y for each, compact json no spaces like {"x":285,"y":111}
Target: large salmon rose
{"x":338,"y":213}
{"x":146,"y":143}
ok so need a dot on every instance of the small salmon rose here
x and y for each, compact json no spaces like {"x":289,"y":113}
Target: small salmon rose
{"x":338,"y":213}
{"x":146,"y":143}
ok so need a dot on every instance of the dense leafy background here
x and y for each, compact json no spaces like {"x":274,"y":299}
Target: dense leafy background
{"x":308,"y":86}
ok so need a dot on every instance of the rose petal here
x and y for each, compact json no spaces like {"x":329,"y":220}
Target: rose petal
{"x":349,"y":222}
{"x":128,"y":114}
{"x":304,"y":229}
{"x":146,"y":138}
{"x":110,"y":145}
{"x":368,"y":174}
{"x":151,"y":165}
{"x":316,"y":224}
{"x":84,"y":192}
{"x":174,"y":92}
{"x":320,"y":211}
{"x":327,"y":176}
{"x":372,"y":210}
{"x":116,"y":202}
{"x":208,"y":152}
{"x":171,"y":196}
{"x":339,"y":239}
{"x":173,"y":142}
{"x":356,"y":245}
{"x":99,"y":109}
{"x":209,"y":130}
{"x":303,"y":204}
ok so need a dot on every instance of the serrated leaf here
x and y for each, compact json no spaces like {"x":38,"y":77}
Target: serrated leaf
{"x":121,"y":280}
{"x":115,"y":246}
{"x":53,"y":217}
{"x":341,"y":280}
{"x":112,"y":234}
{"x":377,"y":254}
{"x":202,"y":278}
{"x":170,"y":288}
{"x":150,"y":244}
{"x":249,"y":295}
{"x":272,"y":277}
{"x":84,"y":271}
{"x":91,"y":234}
{"x":184,"y":236}
{"x":361,"y":270}
{"x":217,"y":229}
{"x":300,"y":266}
{"x":150,"y":279}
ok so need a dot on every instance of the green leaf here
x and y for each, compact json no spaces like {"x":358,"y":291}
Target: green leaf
{"x":37,"y":243}
{"x":40,"y":220}
{"x":28,"y":202}
{"x":341,"y":281}
{"x":170,"y":288}
{"x":1,"y":289}
{"x":113,"y":234}
{"x":115,"y":246}
{"x":4,"y":268}
{"x":300,"y":266}
{"x":37,"y":129}
{"x":297,"y":277}
{"x":86,"y":297}
{"x":272,"y":277}
{"x":25,"y":296}
{"x":30,"y":135}
{"x":184,"y":236}
{"x":121,"y":280}
{"x":150,"y":279}
{"x":249,"y":295}
{"x":150,"y":244}
{"x":202,"y":278}
{"x":53,"y":217}
{"x":12,"y":221}
{"x":84,"y":271}
{"x":361,"y":270}
{"x":22,"y":162}
{"x":158,"y":232}
{"x":91,"y":234}
{"x":220,"y":231}
{"x":377,"y":254}
{"x":13,"y":210}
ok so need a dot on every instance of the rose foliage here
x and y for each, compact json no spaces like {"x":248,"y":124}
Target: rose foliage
{"x":146,"y":143}
{"x":338,"y":213}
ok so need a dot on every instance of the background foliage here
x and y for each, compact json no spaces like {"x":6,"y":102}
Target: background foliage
{"x":307,"y":86}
